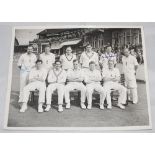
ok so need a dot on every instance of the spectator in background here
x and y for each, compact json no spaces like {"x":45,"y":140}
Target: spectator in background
{"x":140,"y":56}
{"x":132,"y":52}
{"x":99,"y":51}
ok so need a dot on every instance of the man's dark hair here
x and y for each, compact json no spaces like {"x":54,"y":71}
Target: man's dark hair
{"x":48,"y":46}
{"x":88,"y":44}
{"x":57,"y":61}
{"x":68,"y":47}
{"x":30,"y":46}
{"x":91,"y":62}
{"x":75,"y":60}
{"x":39,"y":60}
{"x":108,"y":46}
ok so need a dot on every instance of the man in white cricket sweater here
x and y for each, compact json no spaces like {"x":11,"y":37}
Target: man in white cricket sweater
{"x":130,"y":66}
{"x":37,"y":78}
{"x":93,"y":79}
{"x":111,"y":77}
{"x":56,"y":79}
{"x":25,"y":63}
{"x":75,"y":77}
{"x":48,"y":58}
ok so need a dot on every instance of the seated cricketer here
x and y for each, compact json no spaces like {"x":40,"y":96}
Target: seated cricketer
{"x":111,"y":77}
{"x":92,"y":79}
{"x":75,"y":77}
{"x":37,"y":78}
{"x":56,"y":79}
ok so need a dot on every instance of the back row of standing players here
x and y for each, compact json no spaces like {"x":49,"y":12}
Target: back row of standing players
{"x":33,"y":74}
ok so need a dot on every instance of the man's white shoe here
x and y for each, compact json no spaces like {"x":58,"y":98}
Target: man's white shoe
{"x":23,"y":108}
{"x":89,"y":106}
{"x":68,"y":106}
{"x":48,"y":107}
{"x":135,"y":103}
{"x":60,"y":108}
{"x":121,"y":106}
{"x":109,"y":107}
{"x":83,"y":106}
{"x":102,"y":106}
{"x":40,"y":108}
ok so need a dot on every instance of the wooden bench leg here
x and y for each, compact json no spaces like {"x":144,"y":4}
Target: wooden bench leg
{"x":31,"y":97}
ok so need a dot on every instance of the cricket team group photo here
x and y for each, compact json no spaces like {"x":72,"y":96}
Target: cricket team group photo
{"x":75,"y":71}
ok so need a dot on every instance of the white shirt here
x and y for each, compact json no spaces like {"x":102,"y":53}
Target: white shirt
{"x":129,"y":64}
{"x":108,"y":73}
{"x":75,"y":74}
{"x":67,"y":61}
{"x":87,"y":57}
{"x":57,"y":76}
{"x":27,"y":61}
{"x":38,"y":73}
{"x":48,"y":60}
{"x":104,"y":58}
{"x":93,"y":76}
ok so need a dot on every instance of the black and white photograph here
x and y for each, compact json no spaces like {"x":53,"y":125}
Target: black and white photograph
{"x":78,"y":78}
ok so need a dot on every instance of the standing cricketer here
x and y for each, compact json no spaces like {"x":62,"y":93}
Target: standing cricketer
{"x":88,"y":56}
{"x":130,"y":66}
{"x":25,"y":63}
{"x":75,"y":77}
{"x":37,"y":78}
{"x":67,"y":59}
{"x":109,"y":55}
{"x":48,"y":58}
{"x":56,"y":79}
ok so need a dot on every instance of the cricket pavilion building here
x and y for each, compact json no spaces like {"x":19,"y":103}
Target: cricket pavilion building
{"x":77,"y":38}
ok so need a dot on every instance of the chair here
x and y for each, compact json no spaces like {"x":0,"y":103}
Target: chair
{"x":32,"y":95}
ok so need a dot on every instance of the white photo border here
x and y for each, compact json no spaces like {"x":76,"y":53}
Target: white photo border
{"x":76,"y":129}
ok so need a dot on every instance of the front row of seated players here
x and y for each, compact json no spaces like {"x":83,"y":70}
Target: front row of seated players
{"x":57,"y":77}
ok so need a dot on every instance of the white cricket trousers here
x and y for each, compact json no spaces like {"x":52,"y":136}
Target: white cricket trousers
{"x":133,"y":95}
{"x":51,"y":88}
{"x":40,"y":86}
{"x":131,"y":83}
{"x":78,"y":86}
{"x":97,"y":87}
{"x":23,"y":82}
{"x":108,"y":86}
